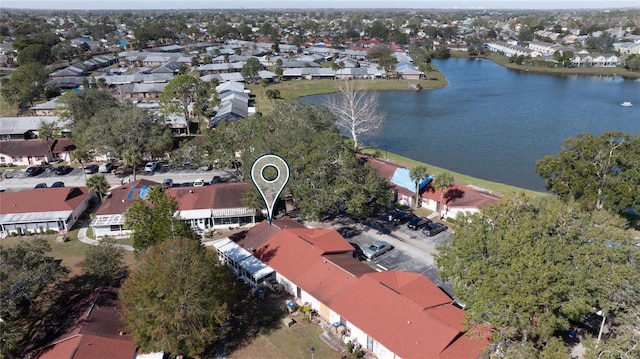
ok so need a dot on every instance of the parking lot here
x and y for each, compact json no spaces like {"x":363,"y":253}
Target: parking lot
{"x":16,"y":179}
{"x":412,"y":251}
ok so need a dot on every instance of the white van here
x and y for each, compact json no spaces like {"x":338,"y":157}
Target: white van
{"x":198,"y":183}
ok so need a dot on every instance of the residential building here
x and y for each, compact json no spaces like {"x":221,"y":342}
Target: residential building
{"x":97,"y":333}
{"x":203,"y":208}
{"x":317,"y":268}
{"x":41,"y":209}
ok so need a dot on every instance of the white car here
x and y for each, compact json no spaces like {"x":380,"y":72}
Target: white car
{"x":151,"y":167}
{"x":376,"y":248}
{"x":198,"y":183}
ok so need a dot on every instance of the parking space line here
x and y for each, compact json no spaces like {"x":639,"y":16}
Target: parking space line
{"x":381,"y":267}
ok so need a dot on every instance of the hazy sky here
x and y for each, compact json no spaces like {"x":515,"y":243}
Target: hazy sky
{"x":263,"y":4}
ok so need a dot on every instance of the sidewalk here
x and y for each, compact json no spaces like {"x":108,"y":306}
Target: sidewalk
{"x":82,"y":236}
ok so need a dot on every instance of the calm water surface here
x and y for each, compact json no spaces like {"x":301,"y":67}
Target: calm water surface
{"x":495,"y":123}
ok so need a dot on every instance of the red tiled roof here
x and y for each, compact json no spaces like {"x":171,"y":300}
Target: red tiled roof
{"x":292,"y":251}
{"x":42,"y":199}
{"x":24,"y":148}
{"x":63,"y":144}
{"x":412,"y":328}
{"x":461,"y":196}
{"x":262,"y":232}
{"x":122,"y":197}
{"x":98,"y":334}
{"x":326,"y":278}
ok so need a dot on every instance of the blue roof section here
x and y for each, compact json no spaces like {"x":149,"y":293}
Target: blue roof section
{"x":401,"y":178}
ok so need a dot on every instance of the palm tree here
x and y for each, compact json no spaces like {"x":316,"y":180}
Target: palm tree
{"x":48,"y":131}
{"x":98,"y":184}
{"x":418,"y":174}
{"x":132,"y":157}
{"x":442,"y":182}
{"x":81,"y":155}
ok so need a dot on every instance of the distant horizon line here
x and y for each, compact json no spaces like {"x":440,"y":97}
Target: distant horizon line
{"x":322,"y":8}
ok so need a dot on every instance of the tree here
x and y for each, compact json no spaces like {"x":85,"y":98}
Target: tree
{"x":178,"y":298}
{"x":82,"y":156}
{"x":181,"y":94}
{"x":112,"y":131}
{"x":533,"y":266}
{"x":251,"y":68}
{"x":99,"y":185}
{"x":103,"y":262}
{"x":388,"y":63}
{"x":25,"y":273}
{"x":25,"y":84}
{"x":596,"y":171}
{"x":264,"y":83}
{"x":356,"y":111}
{"x":442,"y":182}
{"x":418,"y":174}
{"x":133,"y":158}
{"x":326,"y":177}
{"x":48,"y":131}
{"x":152,"y":219}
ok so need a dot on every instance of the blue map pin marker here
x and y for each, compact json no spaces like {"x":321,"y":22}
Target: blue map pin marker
{"x":270,"y":187}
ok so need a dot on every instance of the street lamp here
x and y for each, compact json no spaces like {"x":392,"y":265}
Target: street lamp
{"x":312,"y":350}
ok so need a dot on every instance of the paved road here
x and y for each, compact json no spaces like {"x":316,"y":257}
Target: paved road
{"x":17,"y":179}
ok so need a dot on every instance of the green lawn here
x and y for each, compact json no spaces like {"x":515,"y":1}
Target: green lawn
{"x":298,"y":88}
{"x":496,"y":188}
{"x":288,"y":343}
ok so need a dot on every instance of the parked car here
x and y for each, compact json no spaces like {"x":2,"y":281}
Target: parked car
{"x":434,"y":228}
{"x":123,"y":171}
{"x":62,"y":170}
{"x":218,"y":179}
{"x":34,"y":171}
{"x":418,"y":223}
{"x":151,"y":167}
{"x":105,"y":167}
{"x":167,"y":182}
{"x":376,"y":248}
{"x":41,"y":185}
{"x":198,"y":183}
{"x":57,"y":184}
{"x":400,"y":217}
{"x":89,"y":169}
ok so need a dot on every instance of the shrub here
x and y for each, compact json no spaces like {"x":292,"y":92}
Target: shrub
{"x":350,"y":346}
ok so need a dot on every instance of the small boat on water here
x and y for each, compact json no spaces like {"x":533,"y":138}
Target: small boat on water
{"x":626,"y":104}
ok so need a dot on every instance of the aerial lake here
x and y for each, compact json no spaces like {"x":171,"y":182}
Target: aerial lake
{"x":495,"y":123}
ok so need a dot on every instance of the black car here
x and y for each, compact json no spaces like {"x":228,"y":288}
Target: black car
{"x":400,"y":217}
{"x":434,"y":228}
{"x":57,"y":184}
{"x":89,"y":169}
{"x":418,"y":223}
{"x":34,"y":171}
{"x":41,"y":185}
{"x":63,"y":170}
{"x":218,"y":179}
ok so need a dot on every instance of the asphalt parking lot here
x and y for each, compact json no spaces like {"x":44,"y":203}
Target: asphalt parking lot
{"x":16,"y":179}
{"x":412,"y":251}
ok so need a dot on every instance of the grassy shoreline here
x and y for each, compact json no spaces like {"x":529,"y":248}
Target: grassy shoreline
{"x":496,"y":188}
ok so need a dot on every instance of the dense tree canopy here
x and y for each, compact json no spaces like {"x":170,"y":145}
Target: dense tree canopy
{"x":177,"y":298}
{"x":596,"y":171}
{"x":25,"y":84}
{"x":152,"y":220}
{"x":534,"y":267}
{"x":104,"y":262}
{"x":187,"y":96}
{"x":103,"y":125}
{"x":25,"y":272}
{"x":326,"y":176}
